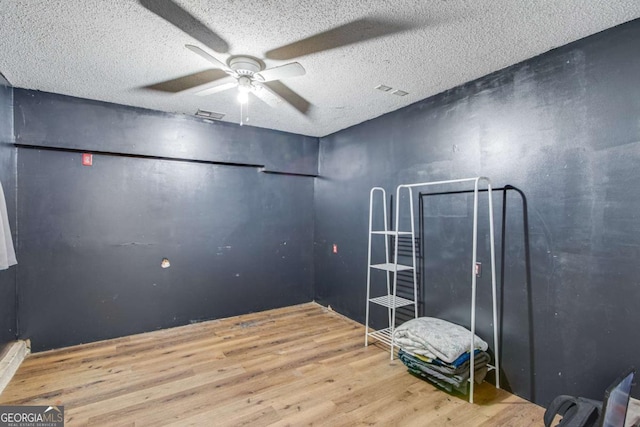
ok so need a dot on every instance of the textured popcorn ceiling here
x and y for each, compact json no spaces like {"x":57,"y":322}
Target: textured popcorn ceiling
{"x":111,"y":50}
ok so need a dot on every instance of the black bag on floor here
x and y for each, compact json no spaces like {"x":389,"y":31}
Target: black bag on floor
{"x":581,"y":412}
{"x":575,"y":411}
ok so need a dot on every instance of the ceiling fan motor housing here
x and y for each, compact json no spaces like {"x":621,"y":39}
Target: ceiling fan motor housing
{"x":244,"y":66}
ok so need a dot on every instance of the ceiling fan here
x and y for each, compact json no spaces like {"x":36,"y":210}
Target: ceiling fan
{"x":247,"y":73}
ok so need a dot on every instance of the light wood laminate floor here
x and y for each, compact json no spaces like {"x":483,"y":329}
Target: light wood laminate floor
{"x":300,"y":365}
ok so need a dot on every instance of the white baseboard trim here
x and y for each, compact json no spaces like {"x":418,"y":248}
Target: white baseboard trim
{"x":13,"y":357}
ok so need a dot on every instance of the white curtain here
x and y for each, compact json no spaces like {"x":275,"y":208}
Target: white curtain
{"x":7,"y":253}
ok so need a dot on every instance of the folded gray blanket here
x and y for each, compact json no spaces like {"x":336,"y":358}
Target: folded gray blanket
{"x":435,"y":338}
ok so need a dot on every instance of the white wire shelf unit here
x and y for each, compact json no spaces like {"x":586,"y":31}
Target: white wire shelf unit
{"x":392,"y":302}
{"x":391,"y":267}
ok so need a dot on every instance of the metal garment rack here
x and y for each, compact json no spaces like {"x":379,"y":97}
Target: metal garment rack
{"x":392,"y":302}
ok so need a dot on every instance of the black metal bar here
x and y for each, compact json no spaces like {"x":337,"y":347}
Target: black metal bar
{"x":135,"y":156}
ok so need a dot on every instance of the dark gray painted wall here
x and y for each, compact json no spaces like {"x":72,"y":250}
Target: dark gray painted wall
{"x":51,"y":120}
{"x":92,"y":238}
{"x":564,"y":130}
{"x":8,"y":180}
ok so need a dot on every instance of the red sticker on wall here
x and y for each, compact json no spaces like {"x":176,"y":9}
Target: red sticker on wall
{"x":87,"y":159}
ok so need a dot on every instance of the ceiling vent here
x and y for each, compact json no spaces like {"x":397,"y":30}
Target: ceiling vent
{"x":209,"y":115}
{"x":383,"y":88}
{"x":389,"y":89}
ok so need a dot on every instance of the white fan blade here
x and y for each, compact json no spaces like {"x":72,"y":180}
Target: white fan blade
{"x":213,"y":60}
{"x":209,"y":85}
{"x":292,"y":69}
{"x":216,"y":89}
{"x":267,"y":96}
{"x":283,"y":93}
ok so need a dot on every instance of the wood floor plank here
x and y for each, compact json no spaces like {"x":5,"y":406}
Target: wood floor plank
{"x":299,"y":365}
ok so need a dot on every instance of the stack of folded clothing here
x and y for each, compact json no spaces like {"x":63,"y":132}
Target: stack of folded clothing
{"x":438,"y":351}
{"x":448,"y":376}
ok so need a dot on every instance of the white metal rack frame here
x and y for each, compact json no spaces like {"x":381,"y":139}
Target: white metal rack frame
{"x":392,"y":302}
